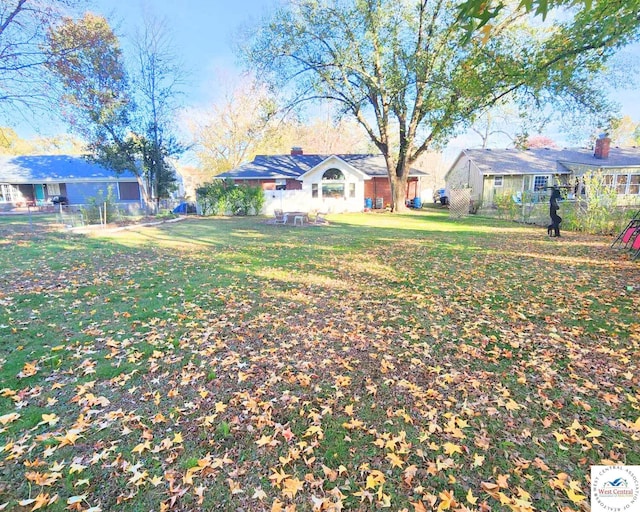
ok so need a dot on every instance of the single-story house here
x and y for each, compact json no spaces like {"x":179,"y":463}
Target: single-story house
{"x":36,"y":180}
{"x":327,"y":183}
{"x":492,"y":172}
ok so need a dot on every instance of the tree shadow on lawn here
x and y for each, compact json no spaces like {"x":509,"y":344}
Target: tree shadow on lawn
{"x":470,"y":342}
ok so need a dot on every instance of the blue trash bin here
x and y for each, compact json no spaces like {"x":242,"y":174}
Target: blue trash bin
{"x":417,"y":202}
{"x":368,"y":203}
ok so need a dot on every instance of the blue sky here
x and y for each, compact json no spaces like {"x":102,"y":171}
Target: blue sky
{"x":204,"y":31}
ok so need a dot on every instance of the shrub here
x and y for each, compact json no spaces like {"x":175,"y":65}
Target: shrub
{"x":226,"y":198}
{"x":166,"y":215}
{"x":506,"y":206}
{"x":598,"y":214}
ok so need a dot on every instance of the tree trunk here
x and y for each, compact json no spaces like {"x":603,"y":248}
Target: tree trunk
{"x":399,"y":196}
{"x":398,"y":175}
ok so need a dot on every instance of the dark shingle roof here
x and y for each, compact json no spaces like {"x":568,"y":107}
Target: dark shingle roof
{"x":53,"y":168}
{"x":541,"y":161}
{"x":294,"y":166}
{"x":274,"y":167}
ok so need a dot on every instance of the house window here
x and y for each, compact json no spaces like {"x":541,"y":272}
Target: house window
{"x":352,"y":190}
{"x":333,"y":183}
{"x":333,"y":175}
{"x":53,"y":189}
{"x":129,"y":191}
{"x":6,"y":193}
{"x":540,"y":183}
{"x":634,"y":184}
{"x":497,"y":181}
{"x":621,"y":183}
{"x":281,"y":184}
{"x":334,"y":190}
{"x":314,"y":190}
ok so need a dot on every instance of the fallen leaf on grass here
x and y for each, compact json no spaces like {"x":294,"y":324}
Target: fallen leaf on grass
{"x":29,"y":370}
{"x":471,"y":498}
{"x":448,"y":500}
{"x":450,"y":448}
{"x":574,"y":496}
{"x":9,"y":418}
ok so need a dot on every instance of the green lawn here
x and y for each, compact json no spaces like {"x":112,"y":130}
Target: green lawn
{"x":405,"y":362}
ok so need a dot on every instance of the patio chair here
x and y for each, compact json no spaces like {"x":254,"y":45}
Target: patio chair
{"x":635,"y":247}
{"x":280,"y":218}
{"x":629,"y":233}
{"x":320,"y":219}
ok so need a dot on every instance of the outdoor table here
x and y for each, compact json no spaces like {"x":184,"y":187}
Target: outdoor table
{"x":303,"y":217}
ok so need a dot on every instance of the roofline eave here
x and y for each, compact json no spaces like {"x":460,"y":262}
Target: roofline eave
{"x":252,"y":178}
{"x":47,"y":181}
{"x":364,"y":175}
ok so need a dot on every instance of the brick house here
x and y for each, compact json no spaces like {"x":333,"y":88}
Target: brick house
{"x":327,"y":183}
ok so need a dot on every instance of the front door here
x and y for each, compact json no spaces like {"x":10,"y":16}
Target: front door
{"x":39,"y":193}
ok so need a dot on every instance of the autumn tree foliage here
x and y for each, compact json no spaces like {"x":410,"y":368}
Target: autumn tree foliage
{"x":236,"y":126}
{"x":540,"y":142}
{"x":12,"y":144}
{"x":124,"y":116}
{"x":624,"y":131}
{"x":87,"y":60}
{"x":412,"y":74}
{"x":247,"y":119}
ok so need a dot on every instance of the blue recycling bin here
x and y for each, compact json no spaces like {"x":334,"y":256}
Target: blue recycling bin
{"x":368,"y":203}
{"x":417,"y":202}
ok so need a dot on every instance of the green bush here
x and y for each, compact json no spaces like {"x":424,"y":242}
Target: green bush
{"x":598,"y":213}
{"x":226,"y":198}
{"x":165,"y":215}
{"x":506,"y":206}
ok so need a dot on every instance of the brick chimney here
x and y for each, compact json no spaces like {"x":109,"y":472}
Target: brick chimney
{"x":603,"y":143}
{"x":296,"y":150}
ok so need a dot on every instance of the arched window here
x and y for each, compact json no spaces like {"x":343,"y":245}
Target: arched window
{"x":333,"y":175}
{"x":333,"y":183}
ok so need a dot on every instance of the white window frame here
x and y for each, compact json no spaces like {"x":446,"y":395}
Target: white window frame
{"x":546,"y":177}
{"x":615,"y":185}
{"x":498,"y":181}
{"x":53,"y":189}
{"x":331,"y":183}
{"x":629,"y":184}
{"x":7,"y":193}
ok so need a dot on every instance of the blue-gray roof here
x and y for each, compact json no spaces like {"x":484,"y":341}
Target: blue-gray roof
{"x":541,"y":161}
{"x":293,"y":166}
{"x":55,"y":169}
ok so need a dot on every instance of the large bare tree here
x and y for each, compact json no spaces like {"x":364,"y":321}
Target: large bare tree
{"x":158,"y":79}
{"x":247,"y":120}
{"x":236,"y":126}
{"x":413,"y":74}
{"x":23,"y":28}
